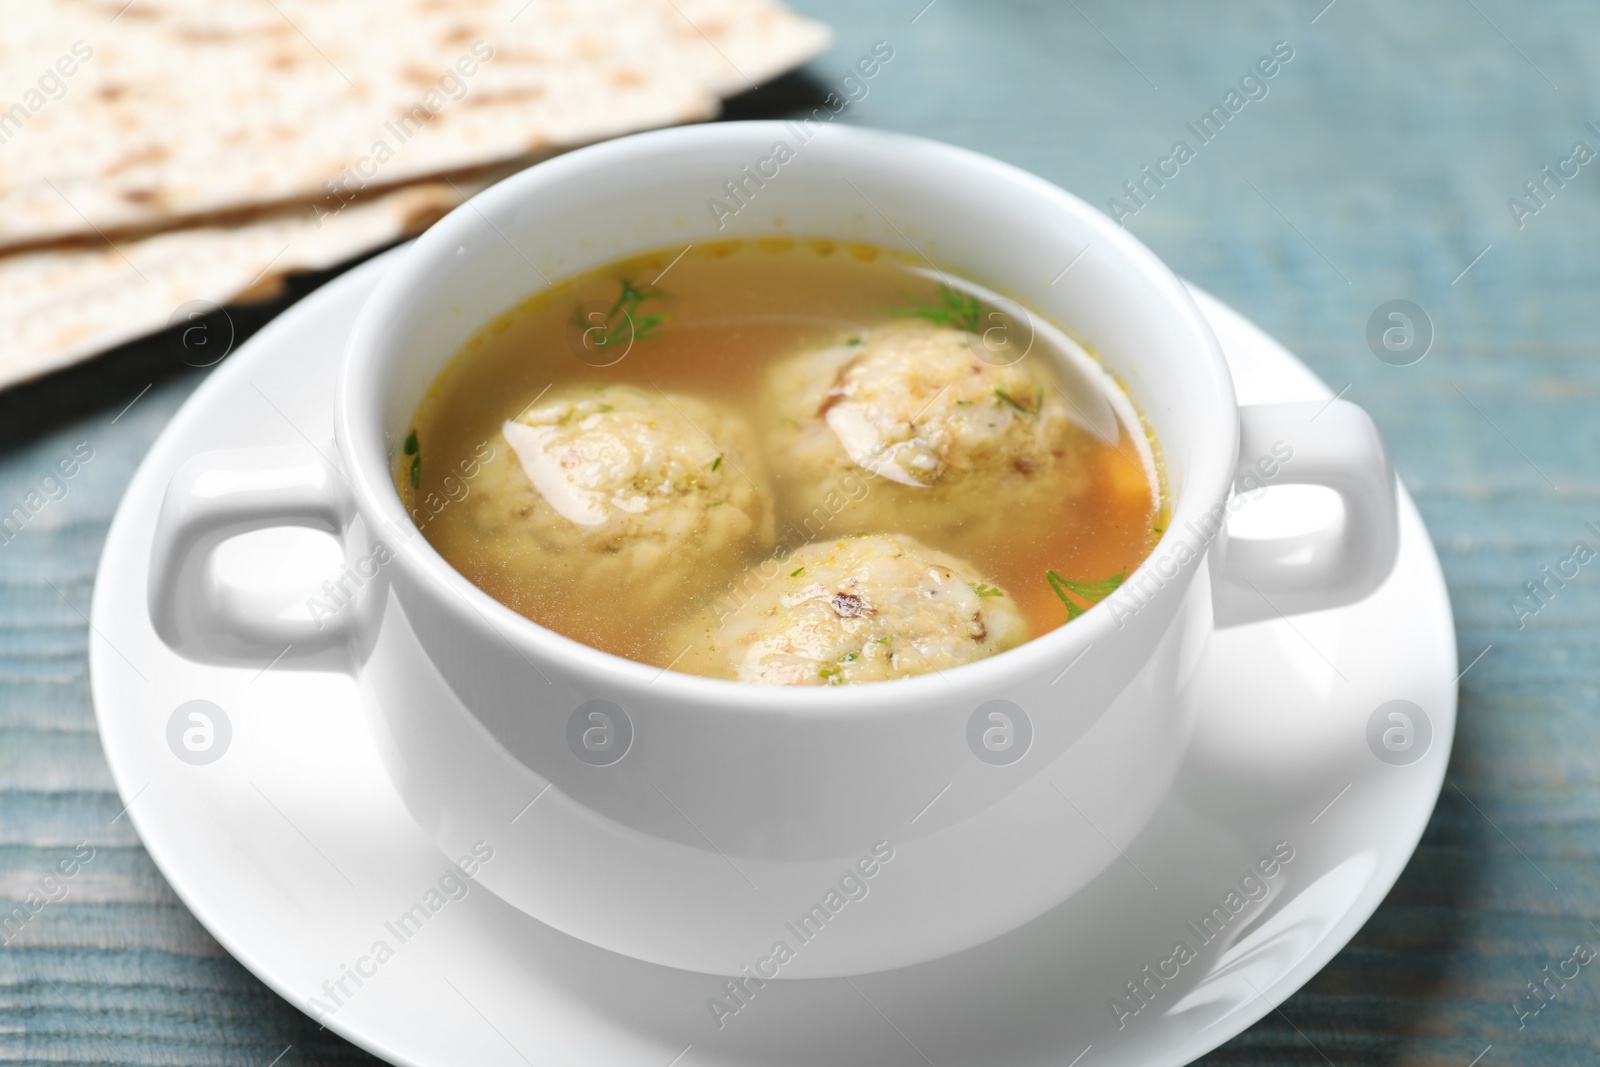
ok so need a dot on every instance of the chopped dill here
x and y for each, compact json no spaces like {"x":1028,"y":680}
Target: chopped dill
{"x":1038,"y":401}
{"x":623,"y":322}
{"x":884,"y":640}
{"x":984,"y":589}
{"x":962,"y":310}
{"x":1093,"y":592}
{"x":416,"y":472}
{"x":849,"y":657}
{"x":964,"y":403}
{"x":714,"y":504}
{"x":853,"y":341}
{"x":603,"y":408}
{"x":832,"y":675}
{"x":796,"y":572}
{"x":716,"y":463}
{"x":411,"y":443}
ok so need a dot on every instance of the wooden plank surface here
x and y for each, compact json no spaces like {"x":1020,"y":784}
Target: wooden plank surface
{"x":1377,"y":166}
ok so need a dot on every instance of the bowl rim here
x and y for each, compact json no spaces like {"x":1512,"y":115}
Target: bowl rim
{"x":359,"y":429}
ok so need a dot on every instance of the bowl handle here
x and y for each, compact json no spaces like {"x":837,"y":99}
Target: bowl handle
{"x":218,"y":495}
{"x":1327,"y":443}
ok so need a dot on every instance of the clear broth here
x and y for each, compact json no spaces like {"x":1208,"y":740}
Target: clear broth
{"x":735,"y":309}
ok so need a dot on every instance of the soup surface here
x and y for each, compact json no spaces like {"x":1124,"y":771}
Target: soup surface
{"x":782,"y":461}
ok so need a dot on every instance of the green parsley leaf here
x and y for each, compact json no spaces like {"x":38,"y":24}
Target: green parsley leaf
{"x":1093,"y":592}
{"x":623,"y":322}
{"x":1005,"y":396}
{"x":961,"y":310}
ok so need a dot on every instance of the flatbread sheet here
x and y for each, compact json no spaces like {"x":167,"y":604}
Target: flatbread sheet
{"x":64,"y":304}
{"x":118,"y":116}
{"x":159,"y":153}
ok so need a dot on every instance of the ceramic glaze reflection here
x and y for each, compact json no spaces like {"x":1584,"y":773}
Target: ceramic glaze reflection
{"x":635,"y":456}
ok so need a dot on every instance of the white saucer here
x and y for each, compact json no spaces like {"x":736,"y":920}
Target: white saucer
{"x":294,"y":851}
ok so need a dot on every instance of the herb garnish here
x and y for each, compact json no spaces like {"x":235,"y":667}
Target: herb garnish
{"x":1038,"y":401}
{"x":716,"y":463}
{"x":796,"y":572}
{"x":414,"y":450}
{"x":983,"y":589}
{"x":623,"y":322}
{"x":1093,"y":592}
{"x":833,"y":675}
{"x":955,"y":308}
{"x":715,"y":504}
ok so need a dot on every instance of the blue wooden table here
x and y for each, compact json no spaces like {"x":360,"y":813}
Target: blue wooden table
{"x":1387,"y":158}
